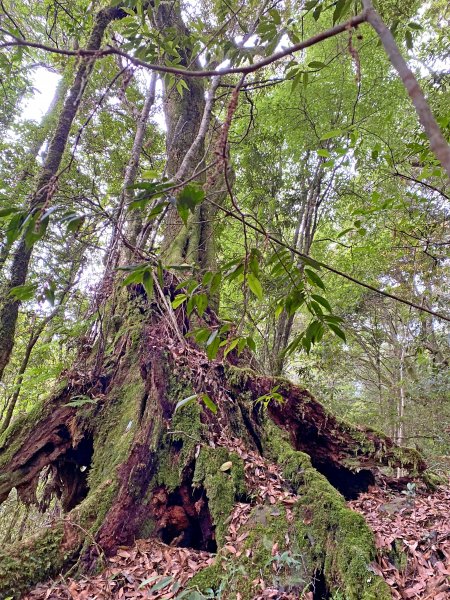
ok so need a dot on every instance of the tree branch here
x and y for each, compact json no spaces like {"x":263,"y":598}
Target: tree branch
{"x":438,"y":143}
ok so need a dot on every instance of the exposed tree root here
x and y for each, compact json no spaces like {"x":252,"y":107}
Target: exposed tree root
{"x":126,"y":466}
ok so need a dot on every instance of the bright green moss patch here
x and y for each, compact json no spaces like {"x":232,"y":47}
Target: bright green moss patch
{"x":270,"y":552}
{"x":339,"y":539}
{"x":222,"y":487}
{"x":177,"y":449}
{"x":115,"y":426}
{"x":26,"y":563}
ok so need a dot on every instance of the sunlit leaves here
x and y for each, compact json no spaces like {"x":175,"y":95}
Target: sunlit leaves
{"x":23,"y":292}
{"x":143,"y":274}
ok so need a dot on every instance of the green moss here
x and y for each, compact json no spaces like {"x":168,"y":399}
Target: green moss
{"x":147,"y":529}
{"x":432,"y":480}
{"x":237,"y":376}
{"x":115,"y":426}
{"x":222,"y":487}
{"x":211,"y":577}
{"x":26,"y":563}
{"x":187,"y":430}
{"x":339,"y":540}
{"x":397,"y":555}
{"x":271,"y":551}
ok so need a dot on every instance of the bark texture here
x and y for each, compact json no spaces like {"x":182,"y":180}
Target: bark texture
{"x":47,"y":182}
{"x":126,"y":465}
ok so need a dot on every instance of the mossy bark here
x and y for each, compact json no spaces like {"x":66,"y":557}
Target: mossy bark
{"x":125,"y":464}
{"x":46,"y":183}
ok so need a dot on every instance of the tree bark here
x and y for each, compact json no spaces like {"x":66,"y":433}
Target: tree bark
{"x":120,"y":455}
{"x":47,"y":182}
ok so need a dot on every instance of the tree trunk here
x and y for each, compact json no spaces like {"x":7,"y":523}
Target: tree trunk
{"x":121,"y":459}
{"x":46,"y":126}
{"x":47,"y":182}
{"x":310,"y":201}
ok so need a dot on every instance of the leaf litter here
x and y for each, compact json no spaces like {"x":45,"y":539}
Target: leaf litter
{"x":412,"y":533}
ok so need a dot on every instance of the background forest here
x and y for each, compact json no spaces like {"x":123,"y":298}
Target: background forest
{"x":322,"y":245}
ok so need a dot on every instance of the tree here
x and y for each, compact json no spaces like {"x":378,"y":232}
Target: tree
{"x":149,"y":430}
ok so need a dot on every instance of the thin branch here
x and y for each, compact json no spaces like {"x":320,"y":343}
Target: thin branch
{"x":438,"y":143}
{"x":259,"y":229}
{"x":315,"y":39}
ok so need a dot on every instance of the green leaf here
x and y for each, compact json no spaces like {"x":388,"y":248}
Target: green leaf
{"x":255,"y":285}
{"x":5,"y":212}
{"x":200,"y":335}
{"x":185,"y":401}
{"x":409,"y":39}
{"x":338,"y":331}
{"x":210,"y":405}
{"x":215,"y":283}
{"x":230,"y":347}
{"x":161,"y":584}
{"x":323,"y":152}
{"x":190,"y":196}
{"x":178,"y":300}
{"x":293,"y":302}
{"x":345,"y":231}
{"x":251,"y":343}
{"x":149,"y":174}
{"x":313,"y":278}
{"x":75,"y":223}
{"x":312,"y":330}
{"x":332,"y":134}
{"x":332,"y":319}
{"x":317,"y":12}
{"x":207,"y":278}
{"x":81,"y":400}
{"x":321,"y":300}
{"x":307,"y":260}
{"x":147,"y":282}
{"x":316,"y":64}
{"x":212,"y":345}
{"x":341,"y":8}
{"x":14,"y":227}
{"x":297,"y":79}
{"x":201,"y":302}
{"x":253,"y":262}
{"x":316,"y":308}
{"x":23,"y":292}
{"x":49,"y":295}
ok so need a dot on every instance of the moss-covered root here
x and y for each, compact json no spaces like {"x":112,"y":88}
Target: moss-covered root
{"x":222,"y":475}
{"x":338,"y":538}
{"x":26,"y":563}
{"x":270,"y":553}
{"x":292,"y":547}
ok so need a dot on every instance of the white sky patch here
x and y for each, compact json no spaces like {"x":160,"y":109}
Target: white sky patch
{"x":44,"y":83}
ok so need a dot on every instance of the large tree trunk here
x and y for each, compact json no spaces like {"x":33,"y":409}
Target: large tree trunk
{"x":126,"y":465}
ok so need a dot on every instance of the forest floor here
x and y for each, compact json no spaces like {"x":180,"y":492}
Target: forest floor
{"x":412,"y":533}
